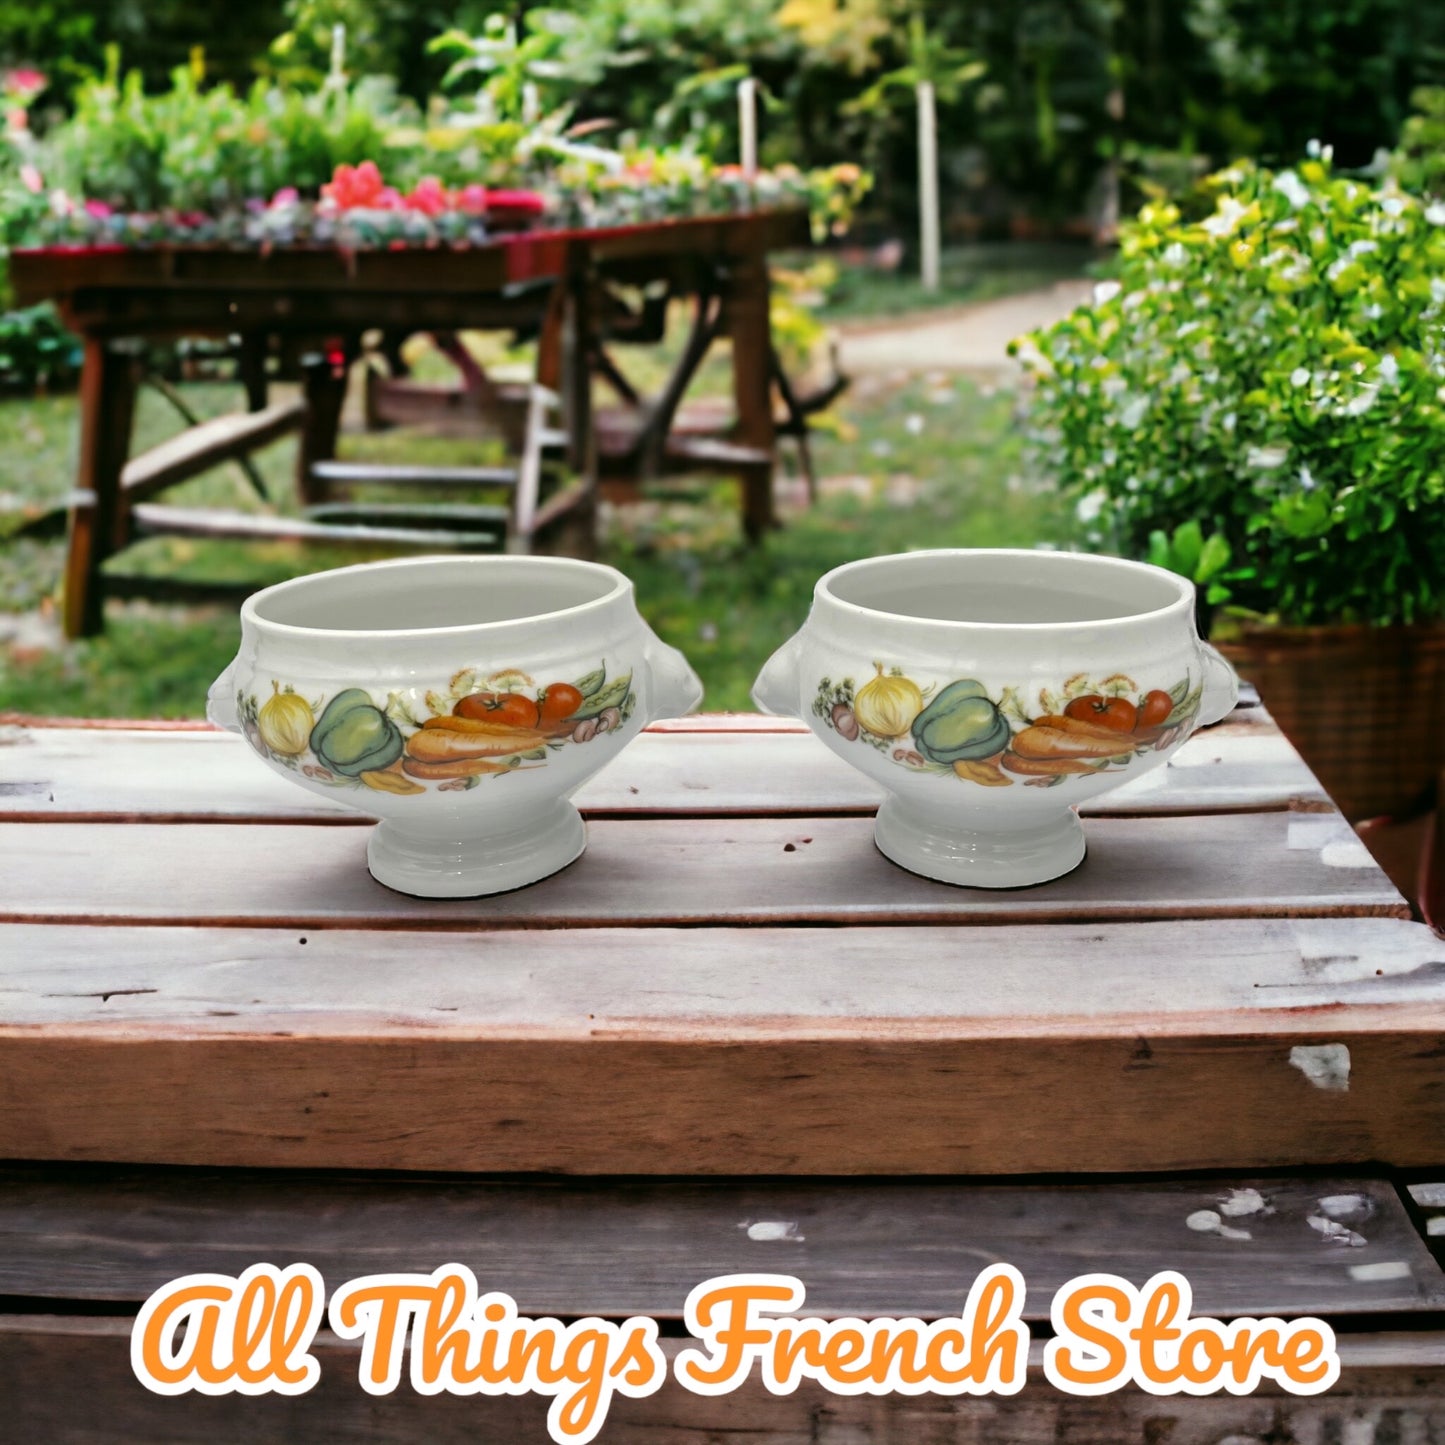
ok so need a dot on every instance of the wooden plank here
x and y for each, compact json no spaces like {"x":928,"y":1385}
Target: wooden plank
{"x":992,"y":1052}
{"x":651,"y":872}
{"x":703,"y":767}
{"x":358,"y":473}
{"x":153,"y":518}
{"x":1238,"y":977}
{"x":202,"y":447}
{"x":905,"y":1248}
{"x":1389,"y":1393}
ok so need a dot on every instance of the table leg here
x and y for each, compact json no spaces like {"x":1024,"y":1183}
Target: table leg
{"x":748,"y":326}
{"x":325,"y":386}
{"x":108,"y":385}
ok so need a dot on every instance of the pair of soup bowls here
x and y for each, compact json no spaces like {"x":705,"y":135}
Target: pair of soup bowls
{"x":464,"y":700}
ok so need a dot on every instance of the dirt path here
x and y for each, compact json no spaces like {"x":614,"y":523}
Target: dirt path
{"x":971,"y":339}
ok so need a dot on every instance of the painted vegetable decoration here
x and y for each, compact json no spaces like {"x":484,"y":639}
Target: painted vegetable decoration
{"x":1084,"y":729}
{"x":354,"y":736}
{"x":284,"y":722}
{"x":485,"y":723}
{"x":887,"y":704}
{"x":960,"y":725}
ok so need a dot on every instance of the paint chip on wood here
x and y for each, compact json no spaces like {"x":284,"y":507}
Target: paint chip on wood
{"x":1347,"y":1208}
{"x":1326,"y":1066}
{"x":1243,"y":1202}
{"x":1428,"y":1196}
{"x":1207,"y":1221}
{"x":1347,"y":853}
{"x":1380,"y":1269}
{"x":1334,"y":1233}
{"x":765,"y":1231}
{"x":1435,"y":1224}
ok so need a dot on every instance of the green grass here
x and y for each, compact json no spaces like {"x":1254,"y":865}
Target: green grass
{"x":925,"y":464}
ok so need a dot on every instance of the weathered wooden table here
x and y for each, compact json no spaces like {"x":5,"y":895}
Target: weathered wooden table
{"x":326,"y":298}
{"x":731,"y":1037}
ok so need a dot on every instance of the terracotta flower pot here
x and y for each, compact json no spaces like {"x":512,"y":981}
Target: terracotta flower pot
{"x":1365,"y":706}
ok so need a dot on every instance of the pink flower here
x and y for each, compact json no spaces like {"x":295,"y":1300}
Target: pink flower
{"x":429,"y":197}
{"x":472,"y":199}
{"x":31,"y":179}
{"x":354,"y":186}
{"x":23,"y":84}
{"x":98,"y":211}
{"x":286,"y":196}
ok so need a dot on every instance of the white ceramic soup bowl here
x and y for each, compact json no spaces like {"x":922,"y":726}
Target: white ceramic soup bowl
{"x":463,"y":700}
{"x":991,"y":692}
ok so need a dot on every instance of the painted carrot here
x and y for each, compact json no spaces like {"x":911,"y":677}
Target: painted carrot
{"x":1051,"y":742}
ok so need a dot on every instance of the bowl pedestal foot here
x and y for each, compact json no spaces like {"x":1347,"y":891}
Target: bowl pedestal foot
{"x":515,"y":852}
{"x":933,"y":847}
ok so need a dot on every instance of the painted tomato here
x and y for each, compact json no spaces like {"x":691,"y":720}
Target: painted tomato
{"x":508,"y":709}
{"x":1156,"y":706}
{"x":558,"y":702}
{"x":1116,"y":713}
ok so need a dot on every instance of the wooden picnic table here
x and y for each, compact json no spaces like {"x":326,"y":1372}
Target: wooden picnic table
{"x":731,"y":1037}
{"x":319,"y":301}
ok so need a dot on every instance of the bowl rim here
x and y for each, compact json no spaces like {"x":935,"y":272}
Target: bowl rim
{"x":621,"y":587}
{"x":823,"y":594}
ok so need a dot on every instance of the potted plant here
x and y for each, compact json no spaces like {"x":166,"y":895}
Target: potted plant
{"x":1258,"y":401}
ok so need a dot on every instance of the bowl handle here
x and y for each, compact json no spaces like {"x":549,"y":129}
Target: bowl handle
{"x":676,"y":689}
{"x":776,"y":688}
{"x":1221,"y":688}
{"x":221,"y":701}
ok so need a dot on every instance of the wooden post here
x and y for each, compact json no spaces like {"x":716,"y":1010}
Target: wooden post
{"x":107,"y":410}
{"x":928,"y":220}
{"x":748,"y":326}
{"x":748,"y":126}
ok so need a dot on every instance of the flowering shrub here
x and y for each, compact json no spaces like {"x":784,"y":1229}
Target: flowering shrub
{"x":1259,"y":399}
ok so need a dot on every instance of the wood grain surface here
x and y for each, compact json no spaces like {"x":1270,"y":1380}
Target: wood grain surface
{"x":1238,"y":977}
{"x":820,"y":1106}
{"x":996,"y":1050}
{"x":638,"y":1246}
{"x":63,"y":773}
{"x":1390,"y":1393}
{"x":650,"y":872}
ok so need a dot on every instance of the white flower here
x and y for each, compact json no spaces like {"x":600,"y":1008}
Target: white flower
{"x":1393,"y":205}
{"x":1226,"y":218}
{"x":1435,"y":213}
{"x":1266,"y":458}
{"x":1106,"y":291}
{"x":1090,"y":506}
{"x":1292,"y":189}
{"x":1363,"y":247}
{"x":1133,"y":412}
{"x":1389,"y":369}
{"x":913,"y":424}
{"x":1306,"y":479}
{"x":1361,"y":402}
{"x":1175,"y":255}
{"x":1299,"y":377}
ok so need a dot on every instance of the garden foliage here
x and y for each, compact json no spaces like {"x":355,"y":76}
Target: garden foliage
{"x":1259,"y":399}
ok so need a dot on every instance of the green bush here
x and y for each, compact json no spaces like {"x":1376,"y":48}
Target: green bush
{"x":1274,"y":376}
{"x":1419,"y":161}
